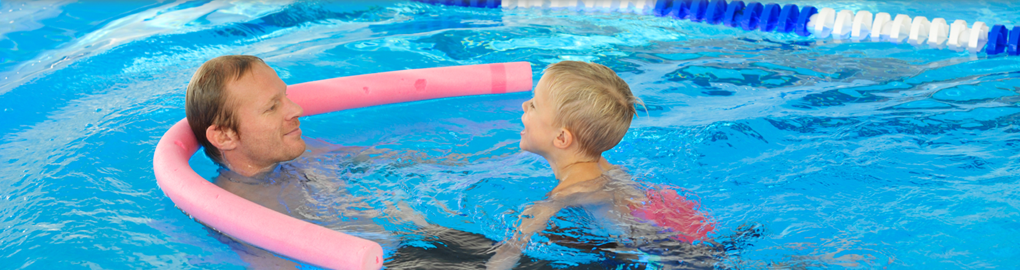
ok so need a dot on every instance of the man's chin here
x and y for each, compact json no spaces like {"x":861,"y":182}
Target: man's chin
{"x":295,"y":151}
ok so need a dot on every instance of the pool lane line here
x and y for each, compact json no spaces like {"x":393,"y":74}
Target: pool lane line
{"x":803,"y":21}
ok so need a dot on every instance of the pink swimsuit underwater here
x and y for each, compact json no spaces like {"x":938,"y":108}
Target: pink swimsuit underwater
{"x":670,"y":210}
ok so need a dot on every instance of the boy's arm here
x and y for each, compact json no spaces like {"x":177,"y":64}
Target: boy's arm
{"x":533,"y":220}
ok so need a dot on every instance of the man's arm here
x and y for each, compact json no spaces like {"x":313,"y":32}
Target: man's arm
{"x":255,"y":257}
{"x":533,"y":220}
{"x":315,"y":147}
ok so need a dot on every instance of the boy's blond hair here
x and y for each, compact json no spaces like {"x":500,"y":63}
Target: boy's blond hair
{"x":592,"y":102}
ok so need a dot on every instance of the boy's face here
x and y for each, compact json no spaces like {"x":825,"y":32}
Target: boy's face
{"x":538,"y":118}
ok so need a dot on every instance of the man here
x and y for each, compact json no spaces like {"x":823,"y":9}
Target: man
{"x":239,"y":111}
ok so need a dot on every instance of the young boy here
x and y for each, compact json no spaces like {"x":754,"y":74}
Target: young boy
{"x":580,"y":110}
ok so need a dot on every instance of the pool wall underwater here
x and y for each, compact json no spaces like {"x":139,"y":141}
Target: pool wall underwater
{"x":846,"y":149}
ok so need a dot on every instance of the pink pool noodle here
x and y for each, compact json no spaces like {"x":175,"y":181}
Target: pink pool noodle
{"x":298,"y":239}
{"x":410,"y":85}
{"x":669,"y":210}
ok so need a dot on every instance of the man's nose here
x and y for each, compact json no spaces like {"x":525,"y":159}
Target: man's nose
{"x":294,"y":110}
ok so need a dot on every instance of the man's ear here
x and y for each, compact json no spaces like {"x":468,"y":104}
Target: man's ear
{"x":564,"y":139}
{"x":221,"y":137}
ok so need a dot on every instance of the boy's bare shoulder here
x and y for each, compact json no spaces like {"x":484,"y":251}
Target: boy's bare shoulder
{"x":586,"y":192}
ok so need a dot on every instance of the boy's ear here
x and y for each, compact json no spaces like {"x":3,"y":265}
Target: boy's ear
{"x":564,"y":139}
{"x":221,"y":137}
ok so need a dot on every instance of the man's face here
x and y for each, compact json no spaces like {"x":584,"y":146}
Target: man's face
{"x":269,"y":131}
{"x":538,"y":118}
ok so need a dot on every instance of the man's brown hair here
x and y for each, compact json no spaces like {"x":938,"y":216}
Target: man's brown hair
{"x":592,"y":102}
{"x":206,"y":103}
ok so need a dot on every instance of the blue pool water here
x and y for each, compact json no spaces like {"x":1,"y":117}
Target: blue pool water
{"x":848,"y":155}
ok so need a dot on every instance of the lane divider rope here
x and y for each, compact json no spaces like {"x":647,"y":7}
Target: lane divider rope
{"x":804,"y":21}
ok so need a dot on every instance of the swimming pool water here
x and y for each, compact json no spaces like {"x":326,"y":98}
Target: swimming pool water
{"x":848,"y":155}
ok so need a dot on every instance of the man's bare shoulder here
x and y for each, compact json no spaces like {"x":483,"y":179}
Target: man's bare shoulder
{"x":236,"y":188}
{"x":264,"y":195}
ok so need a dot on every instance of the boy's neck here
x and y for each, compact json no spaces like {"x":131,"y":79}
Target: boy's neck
{"x":572,"y":169}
